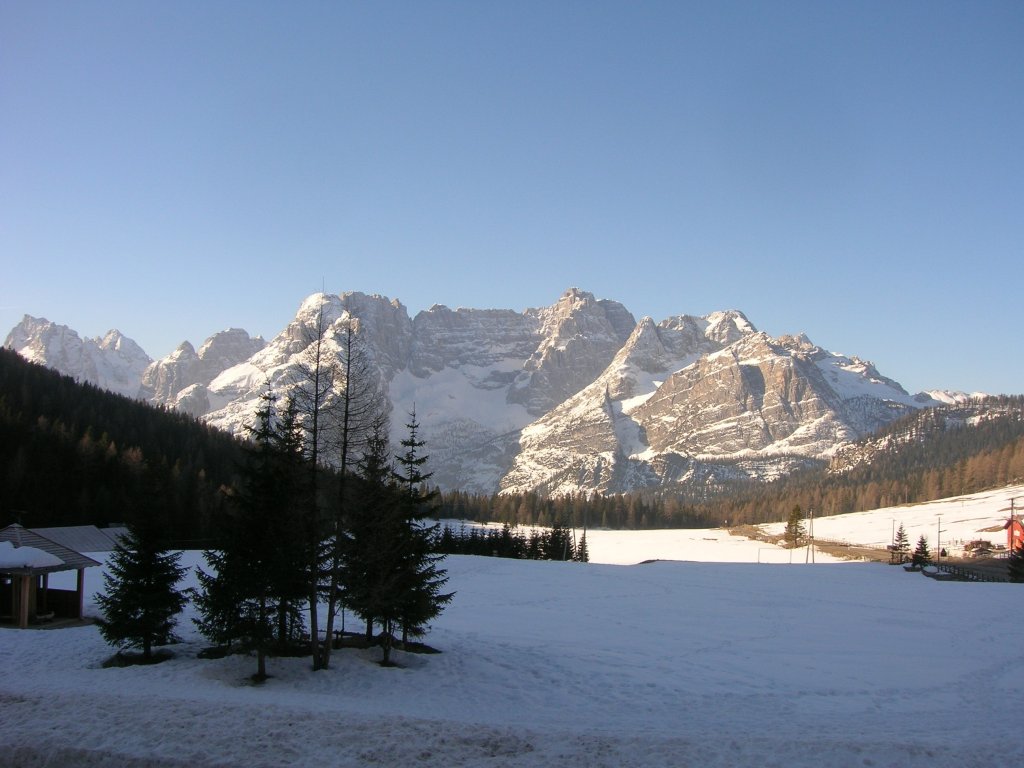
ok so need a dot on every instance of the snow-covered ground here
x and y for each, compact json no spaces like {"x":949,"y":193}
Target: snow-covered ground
{"x":709,"y":663}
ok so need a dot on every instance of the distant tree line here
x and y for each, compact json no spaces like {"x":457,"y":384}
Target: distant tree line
{"x":640,"y":510}
{"x":555,"y":543}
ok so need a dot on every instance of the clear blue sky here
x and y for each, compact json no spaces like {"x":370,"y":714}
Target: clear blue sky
{"x":852,"y":170}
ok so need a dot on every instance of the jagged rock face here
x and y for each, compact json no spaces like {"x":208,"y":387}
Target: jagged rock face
{"x":580,"y":336}
{"x":164,"y":380}
{"x":745,"y":399}
{"x":225,"y":349}
{"x":114,"y":362}
{"x":573,"y":397}
{"x":593,"y":440}
{"x":443,"y":338}
{"x":385,"y":326}
{"x":752,"y":407}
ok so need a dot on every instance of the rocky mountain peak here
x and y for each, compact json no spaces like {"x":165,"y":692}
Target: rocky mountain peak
{"x":727,"y":327}
{"x":385,"y":325}
{"x":113,"y":361}
{"x":645,"y":349}
{"x":580,"y":336}
{"x":164,"y":379}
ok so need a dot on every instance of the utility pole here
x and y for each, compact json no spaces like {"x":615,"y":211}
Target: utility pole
{"x":810,"y":537}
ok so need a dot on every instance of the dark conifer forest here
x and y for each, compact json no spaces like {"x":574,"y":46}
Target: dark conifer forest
{"x":74,"y":454}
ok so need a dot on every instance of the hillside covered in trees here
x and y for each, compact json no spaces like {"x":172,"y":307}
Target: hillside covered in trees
{"x":74,"y":454}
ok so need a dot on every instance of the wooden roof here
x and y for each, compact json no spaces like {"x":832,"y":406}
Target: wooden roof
{"x":82,"y":538}
{"x":24,"y":537}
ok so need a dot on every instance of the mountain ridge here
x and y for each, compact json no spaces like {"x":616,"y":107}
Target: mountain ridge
{"x":575,"y":397}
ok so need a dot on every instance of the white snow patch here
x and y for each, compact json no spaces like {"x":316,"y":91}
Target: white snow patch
{"x":456,"y":393}
{"x":26,"y":557}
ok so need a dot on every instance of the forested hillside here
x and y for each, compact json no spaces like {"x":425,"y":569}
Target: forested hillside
{"x":75,"y":454}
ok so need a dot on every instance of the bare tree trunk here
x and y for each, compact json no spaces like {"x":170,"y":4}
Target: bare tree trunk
{"x":386,"y":641}
{"x":261,"y":649}
{"x":339,"y":510}
{"x":313,"y":389}
{"x":361,"y":410}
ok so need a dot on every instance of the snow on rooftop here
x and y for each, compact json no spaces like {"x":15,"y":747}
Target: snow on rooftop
{"x":12,"y":557}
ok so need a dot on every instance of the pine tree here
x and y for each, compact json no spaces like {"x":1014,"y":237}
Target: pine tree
{"x":218,"y":601}
{"x":558,"y":543}
{"x":582,"y":553}
{"x":373,"y":558}
{"x":902,"y":543}
{"x":142,"y":601}
{"x":423,"y":578}
{"x":794,"y":532}
{"x":922,"y":555}
{"x":258,"y":569}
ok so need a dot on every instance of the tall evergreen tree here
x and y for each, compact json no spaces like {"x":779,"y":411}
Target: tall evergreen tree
{"x":218,"y":601}
{"x":582,"y":552}
{"x":142,"y":601}
{"x":314,"y":382}
{"x":423,"y":577}
{"x":794,"y":532}
{"x":372,"y":576}
{"x":258,"y":580}
{"x":902,"y":543}
{"x":922,"y":555}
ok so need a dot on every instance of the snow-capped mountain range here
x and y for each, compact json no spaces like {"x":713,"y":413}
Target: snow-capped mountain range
{"x":578,"y":396}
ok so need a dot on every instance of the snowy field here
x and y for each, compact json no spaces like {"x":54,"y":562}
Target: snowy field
{"x":963,"y":519}
{"x":721,"y":662}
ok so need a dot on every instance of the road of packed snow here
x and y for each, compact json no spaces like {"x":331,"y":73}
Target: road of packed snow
{"x":668,"y":663}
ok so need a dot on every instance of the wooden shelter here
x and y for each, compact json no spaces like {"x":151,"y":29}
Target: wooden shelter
{"x":26,"y":561}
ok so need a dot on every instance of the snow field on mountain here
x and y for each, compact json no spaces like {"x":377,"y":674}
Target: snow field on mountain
{"x":457,"y":393}
{"x":663,"y":664}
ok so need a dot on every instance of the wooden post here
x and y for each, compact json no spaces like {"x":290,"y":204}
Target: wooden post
{"x":43,"y":594}
{"x":81,"y":593}
{"x":26,"y":582}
